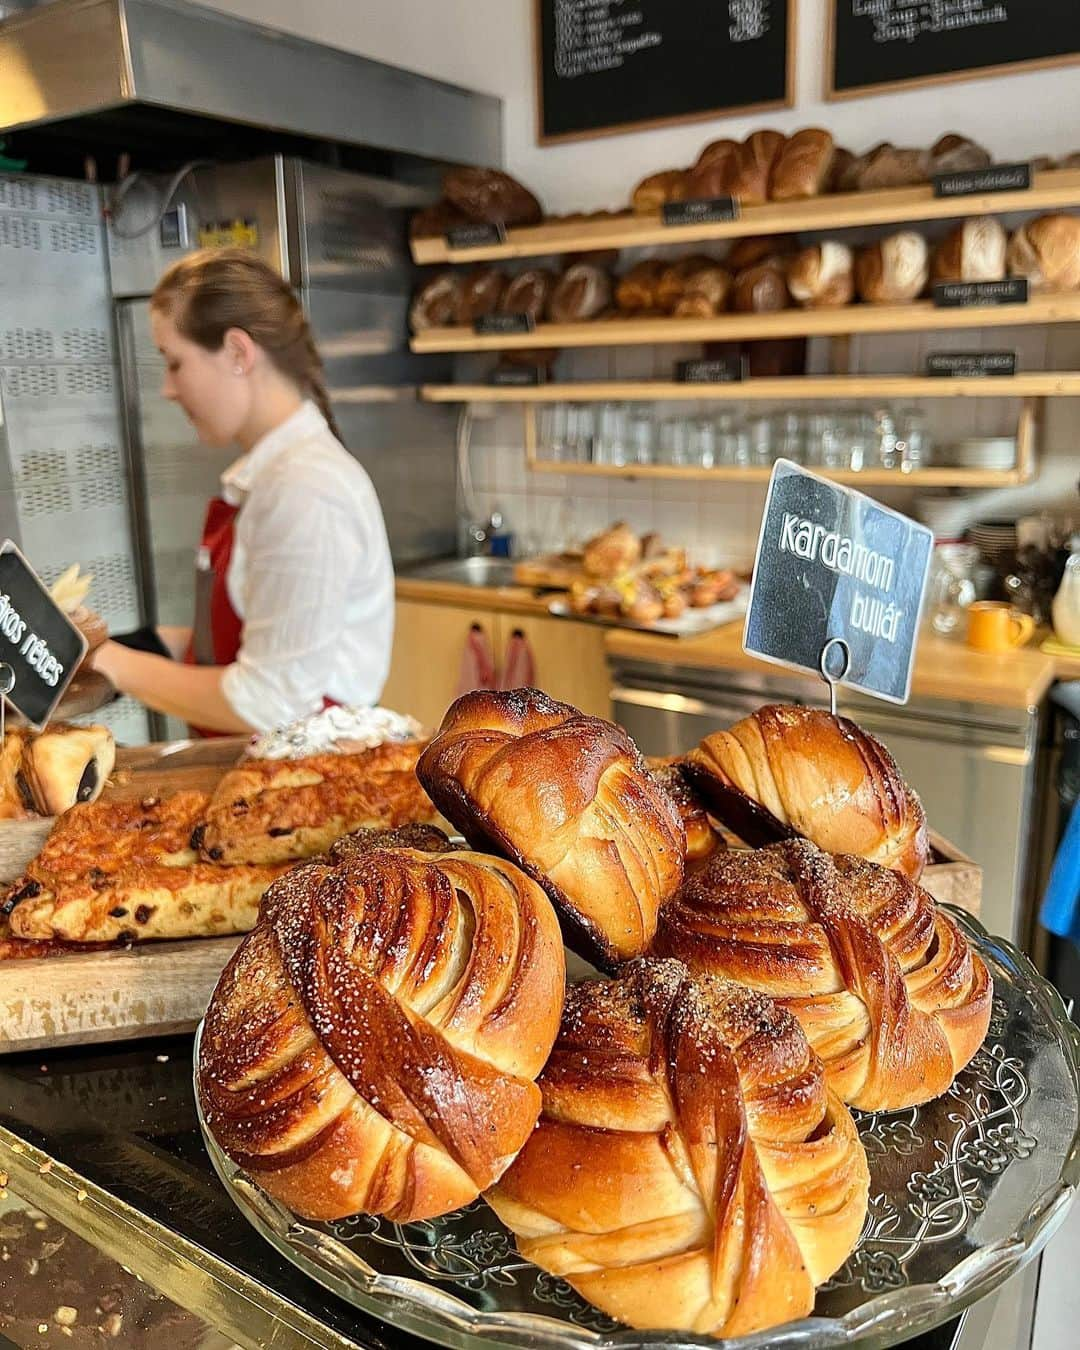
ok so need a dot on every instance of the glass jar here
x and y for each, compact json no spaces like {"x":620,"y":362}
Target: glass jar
{"x":952,"y":585}
{"x":885,"y":449}
{"x":912,"y":440}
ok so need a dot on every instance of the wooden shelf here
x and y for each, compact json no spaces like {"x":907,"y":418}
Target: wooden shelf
{"x":929,"y":477}
{"x":921,"y":316}
{"x":1052,"y":189}
{"x":1032,"y":384}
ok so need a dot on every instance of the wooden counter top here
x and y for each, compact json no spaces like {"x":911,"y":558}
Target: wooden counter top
{"x":944,"y":669}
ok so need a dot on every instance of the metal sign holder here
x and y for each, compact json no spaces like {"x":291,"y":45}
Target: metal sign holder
{"x":831,"y":678}
{"x":7,"y":684}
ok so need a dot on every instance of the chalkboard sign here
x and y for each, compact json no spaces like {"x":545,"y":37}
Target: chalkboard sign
{"x":607,"y":66}
{"x":37,"y":640}
{"x":877,"y":45}
{"x":834,"y":565}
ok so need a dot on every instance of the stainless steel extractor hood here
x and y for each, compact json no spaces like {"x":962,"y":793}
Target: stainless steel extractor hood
{"x":166,"y":79}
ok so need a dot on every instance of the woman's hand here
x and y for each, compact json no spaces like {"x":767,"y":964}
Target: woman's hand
{"x":192,"y":693}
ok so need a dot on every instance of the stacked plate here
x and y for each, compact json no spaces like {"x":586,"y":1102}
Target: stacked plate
{"x":995,"y":540}
{"x":983,"y":452}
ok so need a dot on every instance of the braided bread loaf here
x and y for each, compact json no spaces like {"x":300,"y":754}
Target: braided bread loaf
{"x":787,"y":771}
{"x":884,"y":984}
{"x":371,"y":1047}
{"x":569,"y":799}
{"x":691,"y":1169}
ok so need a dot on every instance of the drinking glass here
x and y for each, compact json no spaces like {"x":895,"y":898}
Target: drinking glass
{"x":913,"y":440}
{"x":791,"y":441}
{"x":885,"y":448}
{"x":674,"y":441}
{"x":609,"y":446}
{"x":553,"y":425}
{"x":702,"y":447}
{"x":760,"y":437}
{"x":640,"y":436}
{"x":579,"y":433}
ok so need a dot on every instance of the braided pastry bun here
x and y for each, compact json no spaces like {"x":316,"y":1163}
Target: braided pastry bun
{"x":702,"y":838}
{"x":787,"y":771}
{"x":569,"y":799}
{"x":884,"y":984}
{"x":372,"y":1044}
{"x":691,"y":1169}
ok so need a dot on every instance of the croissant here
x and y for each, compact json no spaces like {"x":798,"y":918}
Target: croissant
{"x":569,"y":799}
{"x":788,"y":771}
{"x":884,"y":984}
{"x":691,"y":1169}
{"x":702,"y":840}
{"x":46,"y":773}
{"x":372,"y":1045}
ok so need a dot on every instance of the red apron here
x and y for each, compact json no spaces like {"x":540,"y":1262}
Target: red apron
{"x":216,"y":632}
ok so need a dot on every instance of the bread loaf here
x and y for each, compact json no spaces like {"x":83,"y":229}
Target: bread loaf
{"x":481,"y":292}
{"x":582,"y":292}
{"x":756,"y":248}
{"x":760,"y":289}
{"x":802,"y":165}
{"x":674,"y":279}
{"x":788,"y":771}
{"x":894,"y":271}
{"x":567,"y":797}
{"x":711,"y":179}
{"x":957,"y":154}
{"x":371,"y":1046}
{"x":973,"y":251}
{"x":657,"y":189}
{"x":436,"y":303}
{"x":822,"y":276}
{"x":884,"y":984}
{"x":637,"y":289}
{"x":528,"y":293}
{"x":717,"y":152}
{"x":434,"y":221}
{"x":887,"y":167}
{"x":490,"y":196}
{"x":753,"y":165}
{"x":705,"y":294}
{"x":1046,"y":250}
{"x":691,"y":1169}
{"x":840,"y":171}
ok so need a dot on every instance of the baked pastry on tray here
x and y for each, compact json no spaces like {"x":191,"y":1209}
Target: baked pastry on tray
{"x":125,"y":870}
{"x":885,"y":984}
{"x":691,"y":1169}
{"x":272,"y":811}
{"x":45,"y":773}
{"x":371,"y":1047}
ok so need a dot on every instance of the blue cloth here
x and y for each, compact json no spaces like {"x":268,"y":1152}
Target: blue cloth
{"x":1061,"y":904}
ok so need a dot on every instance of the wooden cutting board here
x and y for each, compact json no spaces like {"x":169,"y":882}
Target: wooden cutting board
{"x":552,"y":571}
{"x":151,"y":988}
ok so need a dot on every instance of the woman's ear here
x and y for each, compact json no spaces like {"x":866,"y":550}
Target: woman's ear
{"x":241,"y":349}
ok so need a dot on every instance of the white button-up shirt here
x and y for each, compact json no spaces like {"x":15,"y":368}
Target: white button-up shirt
{"x":310,"y":576}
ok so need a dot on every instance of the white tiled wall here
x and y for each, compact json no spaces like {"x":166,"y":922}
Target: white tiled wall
{"x":718,"y":522}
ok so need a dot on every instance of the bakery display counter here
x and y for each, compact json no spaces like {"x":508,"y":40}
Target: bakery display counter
{"x":107,"y":1144}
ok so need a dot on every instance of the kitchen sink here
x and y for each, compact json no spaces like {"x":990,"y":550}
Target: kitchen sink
{"x":479,"y":571}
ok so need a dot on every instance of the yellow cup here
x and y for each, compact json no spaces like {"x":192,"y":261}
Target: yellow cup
{"x":994,"y":626}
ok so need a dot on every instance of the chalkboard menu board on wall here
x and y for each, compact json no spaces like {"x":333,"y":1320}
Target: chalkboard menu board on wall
{"x":877,"y":45}
{"x":606,"y":66}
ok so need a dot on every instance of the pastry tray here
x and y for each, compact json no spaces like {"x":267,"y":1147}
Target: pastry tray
{"x":963,"y":1192}
{"x":691,"y":623}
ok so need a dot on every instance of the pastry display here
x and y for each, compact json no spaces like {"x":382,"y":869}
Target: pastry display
{"x":803,"y":165}
{"x":612,"y":551}
{"x":894,"y":271}
{"x":46,"y":773}
{"x":790,"y":771}
{"x":822,"y":276}
{"x":705,"y":293}
{"x":568,"y":798}
{"x":674,"y":279}
{"x":124,"y":871}
{"x":372,"y":1046}
{"x":636,"y":290}
{"x":884,"y":983}
{"x":275,"y":811}
{"x":752,"y":167}
{"x":1046,"y":250}
{"x":491,"y":197}
{"x":691,"y":1170}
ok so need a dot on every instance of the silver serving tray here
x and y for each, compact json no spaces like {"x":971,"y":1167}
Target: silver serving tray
{"x":691,"y":623}
{"x":963,"y":1192}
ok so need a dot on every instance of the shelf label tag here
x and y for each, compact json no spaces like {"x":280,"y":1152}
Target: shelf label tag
{"x":37,"y":639}
{"x":970,"y":364}
{"x":518,"y":377}
{"x":719,"y":370}
{"x":961,"y":294}
{"x":700,"y":211}
{"x":997,"y":178}
{"x":501,"y":324}
{"x":475,"y":236}
{"x":833,"y":564}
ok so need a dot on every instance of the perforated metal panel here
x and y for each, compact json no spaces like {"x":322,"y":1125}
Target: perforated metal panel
{"x":59,"y":389}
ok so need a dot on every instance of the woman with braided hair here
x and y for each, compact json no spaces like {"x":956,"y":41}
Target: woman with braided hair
{"x":294,"y":585}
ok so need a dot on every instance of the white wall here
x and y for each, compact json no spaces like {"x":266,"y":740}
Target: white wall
{"x":487,"y":45}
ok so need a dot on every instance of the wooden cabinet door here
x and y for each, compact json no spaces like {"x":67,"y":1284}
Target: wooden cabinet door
{"x":569,"y":659}
{"x":425,"y":669}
